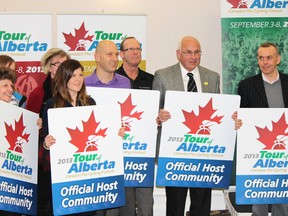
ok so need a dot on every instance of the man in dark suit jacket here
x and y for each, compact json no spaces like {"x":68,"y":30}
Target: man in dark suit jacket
{"x":268,"y":89}
{"x":175,"y":78}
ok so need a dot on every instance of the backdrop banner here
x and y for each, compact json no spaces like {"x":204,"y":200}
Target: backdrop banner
{"x":25,"y":38}
{"x":245,"y":25}
{"x":79,"y":34}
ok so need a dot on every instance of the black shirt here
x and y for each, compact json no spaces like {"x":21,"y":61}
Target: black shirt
{"x":143,"y":80}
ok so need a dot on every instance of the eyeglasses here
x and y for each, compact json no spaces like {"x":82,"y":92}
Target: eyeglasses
{"x":196,"y":53}
{"x":138,"y":49}
{"x":56,"y":64}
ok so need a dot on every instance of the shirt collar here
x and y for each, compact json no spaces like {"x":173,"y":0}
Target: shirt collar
{"x":184,"y":72}
{"x":196,"y":76}
{"x":97,"y":80}
{"x":270,"y":82}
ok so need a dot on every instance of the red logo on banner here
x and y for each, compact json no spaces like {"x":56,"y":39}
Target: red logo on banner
{"x":16,"y":137}
{"x":29,"y":76}
{"x":86,"y":140}
{"x":274,"y":139}
{"x":26,"y":84}
{"x":238,"y":3}
{"x":128,"y":115}
{"x":78,"y":42}
{"x":201,"y":123}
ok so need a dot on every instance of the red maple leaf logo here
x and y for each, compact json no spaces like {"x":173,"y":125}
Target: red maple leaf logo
{"x":86,"y":140}
{"x":201,"y":124}
{"x":274,"y":139}
{"x":77,"y":42}
{"x":238,"y":3}
{"x":16,"y":137}
{"x":127,"y":114}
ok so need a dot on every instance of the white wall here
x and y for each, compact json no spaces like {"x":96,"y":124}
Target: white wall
{"x":167,"y":22}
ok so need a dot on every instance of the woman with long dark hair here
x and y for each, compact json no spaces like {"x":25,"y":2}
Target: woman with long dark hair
{"x":68,"y":90}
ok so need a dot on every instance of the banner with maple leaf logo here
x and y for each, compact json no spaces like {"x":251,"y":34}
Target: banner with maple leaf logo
{"x":18,"y":159}
{"x":139,"y":109}
{"x":25,"y":38}
{"x":262,"y":153}
{"x":80,"y":34}
{"x":87,"y":159}
{"x":197,"y":143}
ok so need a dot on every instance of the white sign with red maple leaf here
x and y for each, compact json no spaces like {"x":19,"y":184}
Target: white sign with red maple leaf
{"x":197,"y":143}
{"x":262,"y":153}
{"x":139,"y":109}
{"x":87,"y":159}
{"x":18,"y":159}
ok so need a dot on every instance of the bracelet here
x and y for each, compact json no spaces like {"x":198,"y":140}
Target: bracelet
{"x":45,"y":146}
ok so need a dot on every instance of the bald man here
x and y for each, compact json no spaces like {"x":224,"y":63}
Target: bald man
{"x":176,"y":78}
{"x":106,"y":57}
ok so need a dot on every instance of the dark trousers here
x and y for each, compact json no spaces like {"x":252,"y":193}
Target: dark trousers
{"x":176,"y":197}
{"x":44,"y":201}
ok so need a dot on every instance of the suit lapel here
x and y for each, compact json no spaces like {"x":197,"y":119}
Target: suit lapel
{"x":259,"y":86}
{"x":203,"y":79}
{"x":284,"y":86}
{"x":176,"y":78}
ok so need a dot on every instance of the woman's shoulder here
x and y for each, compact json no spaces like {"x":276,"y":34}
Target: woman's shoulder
{"x":34,"y":100}
{"x":91,"y":101}
{"x":50,"y":102}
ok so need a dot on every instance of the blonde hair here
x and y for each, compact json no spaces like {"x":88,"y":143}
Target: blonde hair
{"x":51,"y":53}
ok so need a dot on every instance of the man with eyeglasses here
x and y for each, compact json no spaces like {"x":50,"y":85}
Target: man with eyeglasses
{"x":268,"y":89}
{"x":176,"y":77}
{"x":130,"y":52}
